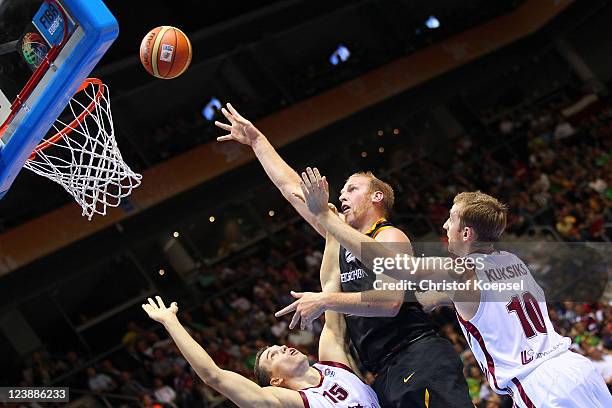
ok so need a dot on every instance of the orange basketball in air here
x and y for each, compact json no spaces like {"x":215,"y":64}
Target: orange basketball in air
{"x":165,"y":52}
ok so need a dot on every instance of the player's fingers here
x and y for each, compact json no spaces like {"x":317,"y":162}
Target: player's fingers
{"x":223,"y":126}
{"x":317,"y":175}
{"x":145,"y":307}
{"x":297,"y":295}
{"x":325,"y":184}
{"x":152,"y":303}
{"x":304,"y":190}
{"x":294,"y":320}
{"x":234,"y":111}
{"x":160,"y":302}
{"x":224,"y":138}
{"x":228,"y":115}
{"x":306,"y":180}
{"x":287,"y":309}
{"x":332,"y":208}
{"x":311,"y":176}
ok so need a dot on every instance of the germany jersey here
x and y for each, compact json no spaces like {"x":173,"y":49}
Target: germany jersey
{"x":375,"y":337}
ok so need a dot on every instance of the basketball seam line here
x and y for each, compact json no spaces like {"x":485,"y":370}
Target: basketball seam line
{"x":155,"y":51}
{"x":174,"y":54}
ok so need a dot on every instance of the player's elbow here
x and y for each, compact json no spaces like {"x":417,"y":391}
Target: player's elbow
{"x":392,"y":308}
{"x":212,"y":378}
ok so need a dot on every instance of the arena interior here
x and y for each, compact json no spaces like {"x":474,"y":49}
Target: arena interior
{"x":510,"y":97}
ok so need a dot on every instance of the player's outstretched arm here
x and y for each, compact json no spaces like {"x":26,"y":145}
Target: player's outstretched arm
{"x":332,"y":342}
{"x":282,"y":175}
{"x":242,"y":391}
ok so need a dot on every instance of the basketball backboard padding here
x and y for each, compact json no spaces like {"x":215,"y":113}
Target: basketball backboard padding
{"x":96,"y":29}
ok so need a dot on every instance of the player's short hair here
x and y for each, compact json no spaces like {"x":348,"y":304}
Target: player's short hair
{"x":262,"y":376}
{"x":377,"y":184}
{"x":484,"y":213}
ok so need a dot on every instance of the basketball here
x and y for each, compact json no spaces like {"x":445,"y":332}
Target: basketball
{"x":165,"y":52}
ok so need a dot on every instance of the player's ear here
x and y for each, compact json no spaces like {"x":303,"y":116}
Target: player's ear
{"x":377,"y":196}
{"x":469,"y":234}
{"x":276,"y":382}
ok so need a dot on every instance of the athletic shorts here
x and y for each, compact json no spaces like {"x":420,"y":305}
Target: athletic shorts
{"x":426,"y":374}
{"x":568,"y":380}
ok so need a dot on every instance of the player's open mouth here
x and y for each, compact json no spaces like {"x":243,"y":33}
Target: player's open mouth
{"x":345,"y":208}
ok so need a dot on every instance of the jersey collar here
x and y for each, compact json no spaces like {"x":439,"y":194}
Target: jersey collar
{"x":373,"y":227}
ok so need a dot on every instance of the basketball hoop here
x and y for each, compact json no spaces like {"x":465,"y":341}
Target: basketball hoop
{"x":82,"y":156}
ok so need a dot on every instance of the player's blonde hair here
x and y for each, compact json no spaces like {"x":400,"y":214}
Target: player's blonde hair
{"x":484,"y":213}
{"x":377,"y":184}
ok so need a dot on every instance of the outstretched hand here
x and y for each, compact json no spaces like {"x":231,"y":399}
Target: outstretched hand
{"x":308,"y":307}
{"x":241,"y":129}
{"x":315,"y":191}
{"x":158,"y":311}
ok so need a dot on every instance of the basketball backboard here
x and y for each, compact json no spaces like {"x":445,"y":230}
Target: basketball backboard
{"x":47,"y":49}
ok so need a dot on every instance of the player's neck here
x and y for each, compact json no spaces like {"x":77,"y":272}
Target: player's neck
{"x":369,"y":220}
{"x":311,"y":378}
{"x":480,"y":249}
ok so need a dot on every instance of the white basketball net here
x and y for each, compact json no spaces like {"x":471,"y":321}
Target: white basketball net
{"x":85,"y":159}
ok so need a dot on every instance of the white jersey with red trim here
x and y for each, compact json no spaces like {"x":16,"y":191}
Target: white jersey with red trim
{"x":511,"y":333}
{"x":339,"y":388}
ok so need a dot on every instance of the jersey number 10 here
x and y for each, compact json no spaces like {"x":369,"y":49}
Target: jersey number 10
{"x":529,"y":314}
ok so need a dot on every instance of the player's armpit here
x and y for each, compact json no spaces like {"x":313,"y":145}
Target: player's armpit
{"x":245,"y":393}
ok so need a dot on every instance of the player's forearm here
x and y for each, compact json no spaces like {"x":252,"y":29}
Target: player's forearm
{"x":281,"y":174}
{"x":407,"y":268}
{"x":366,"y":304}
{"x":197,"y":357}
{"x":329,"y":273}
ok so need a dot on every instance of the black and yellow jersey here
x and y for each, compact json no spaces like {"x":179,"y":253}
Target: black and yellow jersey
{"x":375,"y":337}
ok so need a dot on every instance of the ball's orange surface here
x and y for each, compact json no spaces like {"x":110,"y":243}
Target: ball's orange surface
{"x":165,"y":52}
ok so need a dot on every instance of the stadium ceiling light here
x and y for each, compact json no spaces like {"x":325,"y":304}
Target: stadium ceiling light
{"x":364,"y":154}
{"x":211,"y":218}
{"x":176,"y":234}
{"x":340,"y":55}
{"x":211,"y":109}
{"x":432,"y":22}
{"x":161,"y":272}
{"x":271,"y":213}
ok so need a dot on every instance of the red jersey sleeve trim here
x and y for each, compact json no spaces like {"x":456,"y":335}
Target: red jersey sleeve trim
{"x":338,"y":365}
{"x":304,"y":399}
